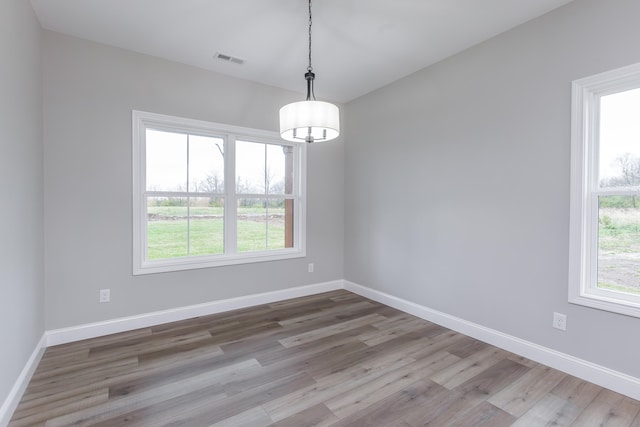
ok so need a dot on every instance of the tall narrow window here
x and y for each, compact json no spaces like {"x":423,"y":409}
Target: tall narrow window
{"x":605,"y":207}
{"x":207,"y":195}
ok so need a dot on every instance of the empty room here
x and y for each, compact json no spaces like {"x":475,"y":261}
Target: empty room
{"x":328,"y":213}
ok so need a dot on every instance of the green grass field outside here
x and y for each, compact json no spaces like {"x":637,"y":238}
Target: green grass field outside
{"x":171,"y":235}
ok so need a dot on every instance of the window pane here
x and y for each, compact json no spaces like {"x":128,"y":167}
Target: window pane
{"x":166,"y":161}
{"x":250,"y":167}
{"x":265,"y":224}
{"x":288,"y":223}
{"x":252,"y":225}
{"x":619,"y":243}
{"x":288,"y":169}
{"x":276,"y":170}
{"x":619,"y":148}
{"x":206,"y":226}
{"x":280,"y":224}
{"x":167,"y":227}
{"x":206,"y":164}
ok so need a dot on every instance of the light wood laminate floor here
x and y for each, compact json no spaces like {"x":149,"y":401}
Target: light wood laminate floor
{"x":333,"y":359}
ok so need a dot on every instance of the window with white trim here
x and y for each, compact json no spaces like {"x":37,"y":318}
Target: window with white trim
{"x":207,"y":195}
{"x":604,"y":269}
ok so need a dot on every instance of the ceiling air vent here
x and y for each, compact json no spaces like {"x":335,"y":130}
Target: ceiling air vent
{"x":228,"y":58}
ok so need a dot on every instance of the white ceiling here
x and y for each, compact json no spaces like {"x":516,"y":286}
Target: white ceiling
{"x":358,"y":45}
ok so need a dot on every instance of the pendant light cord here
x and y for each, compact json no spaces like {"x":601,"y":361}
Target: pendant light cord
{"x":310,"y":68}
{"x":310,"y":76}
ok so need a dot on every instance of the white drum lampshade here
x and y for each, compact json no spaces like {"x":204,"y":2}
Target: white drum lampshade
{"x":309,"y":121}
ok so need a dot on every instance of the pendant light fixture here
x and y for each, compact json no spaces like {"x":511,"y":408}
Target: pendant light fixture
{"x":309,"y":120}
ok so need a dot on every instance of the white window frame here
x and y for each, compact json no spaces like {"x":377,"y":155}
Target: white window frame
{"x":141,"y":265}
{"x":583,"y":244}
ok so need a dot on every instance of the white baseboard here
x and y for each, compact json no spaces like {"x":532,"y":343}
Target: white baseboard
{"x":588,"y":371}
{"x":98,"y":329}
{"x":11,"y":402}
{"x":600,"y":375}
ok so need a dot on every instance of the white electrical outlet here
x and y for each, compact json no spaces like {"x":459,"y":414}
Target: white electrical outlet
{"x":310,"y":267}
{"x":560,"y":321}
{"x":105,"y":295}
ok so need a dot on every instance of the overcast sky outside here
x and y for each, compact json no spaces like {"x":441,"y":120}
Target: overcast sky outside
{"x":166,"y":154}
{"x":619,"y":130}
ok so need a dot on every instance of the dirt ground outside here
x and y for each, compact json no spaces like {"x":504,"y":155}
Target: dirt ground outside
{"x":620,"y":270}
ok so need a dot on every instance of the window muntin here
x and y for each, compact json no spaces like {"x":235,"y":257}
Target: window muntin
{"x":605,"y":206}
{"x":207,"y":195}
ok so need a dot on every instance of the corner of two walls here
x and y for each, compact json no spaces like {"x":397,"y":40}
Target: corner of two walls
{"x":21,"y":174}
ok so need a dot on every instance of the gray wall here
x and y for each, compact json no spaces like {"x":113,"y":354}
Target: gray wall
{"x":89,"y":92}
{"x":21,"y":239}
{"x":457,"y":181}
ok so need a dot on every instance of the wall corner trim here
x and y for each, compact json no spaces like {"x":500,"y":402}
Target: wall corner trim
{"x":123,"y":324}
{"x":11,"y":402}
{"x":597,"y":374}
